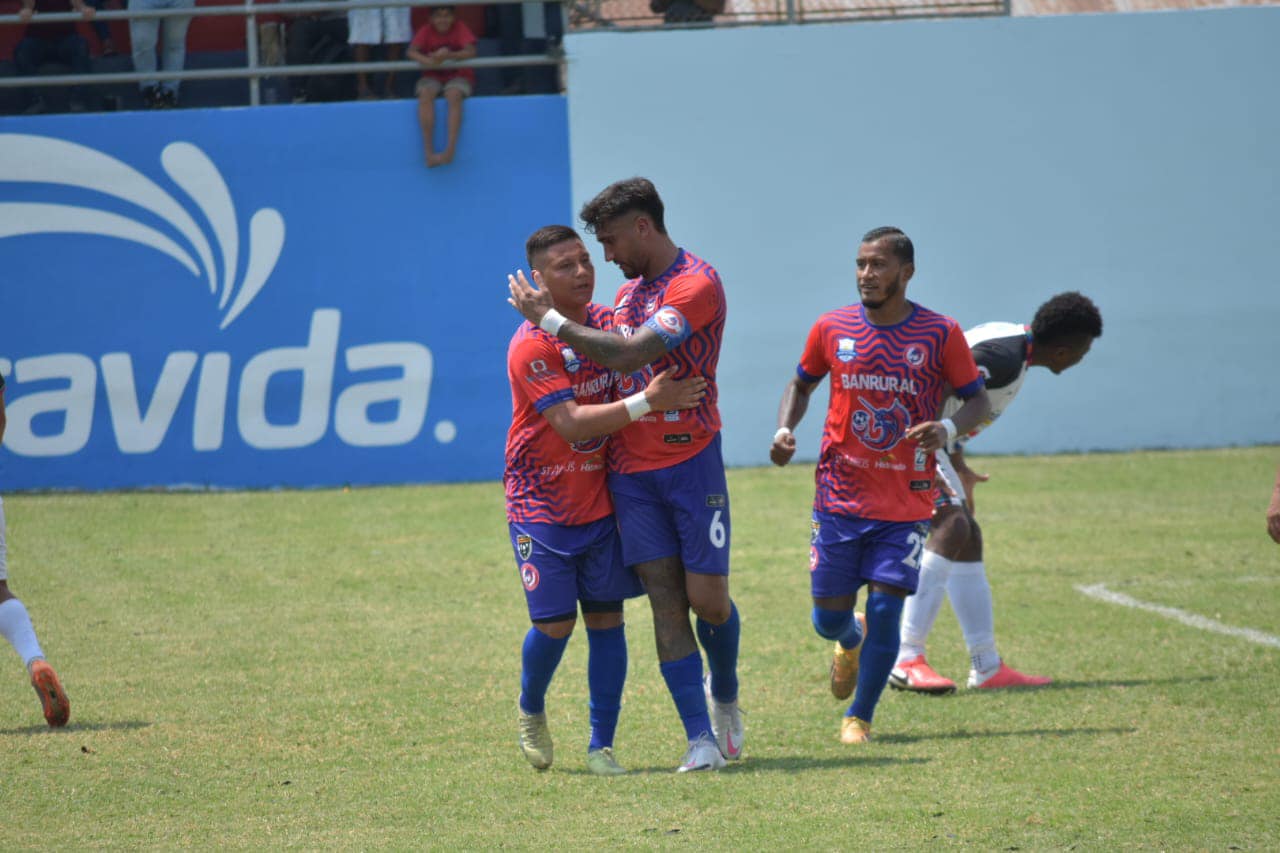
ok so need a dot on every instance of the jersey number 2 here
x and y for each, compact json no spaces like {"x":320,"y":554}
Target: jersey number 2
{"x":916,"y":541}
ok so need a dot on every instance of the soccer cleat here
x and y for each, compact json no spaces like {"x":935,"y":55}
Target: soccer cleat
{"x":53,"y":699}
{"x":855,"y":730}
{"x":916,"y":675}
{"x":844,"y":664}
{"x":602,"y":763}
{"x":535,"y":739}
{"x":726,"y":723}
{"x":1006,"y":676}
{"x":703,"y":754}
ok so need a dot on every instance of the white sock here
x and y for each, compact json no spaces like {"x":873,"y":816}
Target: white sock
{"x":970,"y":596}
{"x":921,"y":610}
{"x":15,"y":626}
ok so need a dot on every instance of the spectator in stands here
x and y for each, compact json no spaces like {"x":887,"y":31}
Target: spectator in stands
{"x":102,"y":30}
{"x":387,"y":25}
{"x":42,"y":43}
{"x":319,"y":38}
{"x":443,"y":38}
{"x":519,"y":33}
{"x":687,"y":11}
{"x":145,"y":34}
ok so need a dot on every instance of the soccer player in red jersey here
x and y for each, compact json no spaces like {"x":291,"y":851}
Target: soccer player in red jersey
{"x":559,"y":512}
{"x":889,"y":360}
{"x":666,"y":472}
{"x":1063,"y":330}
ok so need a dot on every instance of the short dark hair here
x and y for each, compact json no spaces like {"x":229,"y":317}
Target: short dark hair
{"x":442,"y":7}
{"x":898,"y":239}
{"x":1067,"y":315}
{"x":633,"y":194}
{"x":546,"y":237}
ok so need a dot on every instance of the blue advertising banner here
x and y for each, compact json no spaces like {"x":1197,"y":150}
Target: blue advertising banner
{"x":280,"y":296}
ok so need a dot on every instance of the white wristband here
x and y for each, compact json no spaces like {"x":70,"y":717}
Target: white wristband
{"x":552,"y":321}
{"x":781,"y":432}
{"x":637,"y":405}
{"x":950,"y":426}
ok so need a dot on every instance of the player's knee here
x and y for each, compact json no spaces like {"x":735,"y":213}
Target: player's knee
{"x":716,"y":612}
{"x":556,"y":628}
{"x":831,"y":624}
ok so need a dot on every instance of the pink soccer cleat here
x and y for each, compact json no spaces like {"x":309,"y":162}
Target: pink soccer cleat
{"x":915,"y":674}
{"x":1006,"y":676}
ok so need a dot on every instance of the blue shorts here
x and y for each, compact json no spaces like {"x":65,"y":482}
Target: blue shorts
{"x":682,"y":510}
{"x":561,"y":565}
{"x":846,"y":552}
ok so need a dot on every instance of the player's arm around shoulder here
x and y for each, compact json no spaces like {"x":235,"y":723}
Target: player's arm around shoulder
{"x":578,"y":422}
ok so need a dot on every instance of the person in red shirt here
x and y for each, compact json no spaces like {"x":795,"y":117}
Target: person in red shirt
{"x":443,"y":38}
{"x":890,"y":361}
{"x":559,"y":512}
{"x":667,"y":473}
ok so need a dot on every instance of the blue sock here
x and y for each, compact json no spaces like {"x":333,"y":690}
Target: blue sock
{"x":606,"y":673}
{"x":684,"y":680}
{"x":879,"y":651}
{"x":541,"y":656}
{"x":721,"y":645}
{"x":837,"y":625}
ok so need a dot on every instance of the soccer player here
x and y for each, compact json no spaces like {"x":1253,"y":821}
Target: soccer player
{"x":1063,"y":330}
{"x":666,"y":472}
{"x":15,"y":626}
{"x":558,"y":509}
{"x":889,"y":359}
{"x":1273,"y":512}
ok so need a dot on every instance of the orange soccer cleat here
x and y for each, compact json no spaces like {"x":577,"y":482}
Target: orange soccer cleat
{"x":53,"y":699}
{"x":915,"y":674}
{"x":1006,"y":676}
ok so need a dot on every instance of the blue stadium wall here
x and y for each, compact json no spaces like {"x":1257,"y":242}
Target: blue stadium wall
{"x":284,"y":296}
{"x":262,"y":297}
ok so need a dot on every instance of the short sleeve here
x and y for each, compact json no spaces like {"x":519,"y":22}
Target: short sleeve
{"x":464,"y":36}
{"x":958,"y":366}
{"x":813,"y":361}
{"x":537,"y":369}
{"x":422,"y":38}
{"x":689,"y":303}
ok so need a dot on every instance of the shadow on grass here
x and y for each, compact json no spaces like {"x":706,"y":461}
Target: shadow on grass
{"x":794,"y":764}
{"x":1091,"y":684}
{"x":74,"y":727}
{"x":978,"y":733}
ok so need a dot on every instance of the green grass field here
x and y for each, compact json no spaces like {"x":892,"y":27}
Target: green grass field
{"x":339,"y":669}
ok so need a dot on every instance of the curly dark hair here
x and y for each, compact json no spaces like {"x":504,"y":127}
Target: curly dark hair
{"x":546,"y":237}
{"x":1067,"y":315}
{"x":901,"y":243}
{"x":633,"y":194}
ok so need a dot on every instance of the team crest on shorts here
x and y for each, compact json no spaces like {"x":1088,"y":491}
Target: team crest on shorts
{"x":524,"y":546}
{"x":914,"y":355}
{"x":845,"y":350}
{"x":529,"y":576}
{"x":814,"y":527}
{"x":813,"y":558}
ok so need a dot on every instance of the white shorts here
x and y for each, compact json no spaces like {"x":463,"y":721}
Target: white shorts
{"x":4,"y":568}
{"x":387,"y":25}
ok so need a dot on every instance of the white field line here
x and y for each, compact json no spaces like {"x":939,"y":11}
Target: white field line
{"x":1204,"y":623}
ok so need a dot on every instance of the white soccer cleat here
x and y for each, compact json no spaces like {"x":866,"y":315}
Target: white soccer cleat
{"x":726,"y":723}
{"x":703,"y":754}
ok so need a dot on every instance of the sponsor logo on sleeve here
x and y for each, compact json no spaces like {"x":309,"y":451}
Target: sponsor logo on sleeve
{"x":670,"y":321}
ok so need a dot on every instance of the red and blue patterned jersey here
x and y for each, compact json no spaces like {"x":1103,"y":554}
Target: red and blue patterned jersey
{"x":547,"y":478}
{"x":884,"y":379}
{"x":686,"y":307}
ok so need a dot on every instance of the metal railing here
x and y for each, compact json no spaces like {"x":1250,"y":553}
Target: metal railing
{"x":253,"y":69}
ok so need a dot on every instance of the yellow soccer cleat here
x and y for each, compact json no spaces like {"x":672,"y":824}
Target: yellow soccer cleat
{"x":844,"y":664}
{"x":855,"y":730}
{"x":535,"y":740}
{"x":600,"y":762}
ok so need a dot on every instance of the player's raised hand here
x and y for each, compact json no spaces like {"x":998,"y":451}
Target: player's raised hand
{"x":783,"y":447}
{"x":930,"y":435}
{"x":665,"y":393}
{"x":531,"y":301}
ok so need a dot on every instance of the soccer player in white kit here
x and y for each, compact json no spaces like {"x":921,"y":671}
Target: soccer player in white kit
{"x":1062,"y":331}
{"x":15,"y":626}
